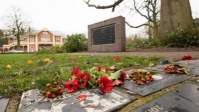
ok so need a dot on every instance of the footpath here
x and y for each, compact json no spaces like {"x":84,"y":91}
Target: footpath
{"x":194,"y":54}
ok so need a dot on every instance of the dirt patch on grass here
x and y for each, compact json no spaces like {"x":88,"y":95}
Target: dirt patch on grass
{"x":13,"y":104}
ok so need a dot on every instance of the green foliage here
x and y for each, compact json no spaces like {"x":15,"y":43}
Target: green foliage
{"x":143,"y":43}
{"x":76,"y":42}
{"x":3,"y":41}
{"x":1,"y":34}
{"x":41,"y":84}
{"x":51,"y":50}
{"x":182,"y":38}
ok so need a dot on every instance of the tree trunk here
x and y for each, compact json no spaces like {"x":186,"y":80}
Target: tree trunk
{"x":18,"y":43}
{"x":155,"y":32}
{"x":175,"y":14}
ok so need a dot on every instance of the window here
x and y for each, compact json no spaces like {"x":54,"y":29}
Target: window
{"x":45,"y":32}
{"x":45,"y":39}
{"x":57,"y":40}
{"x":25,"y":40}
{"x":32,"y":39}
{"x":32,"y":49}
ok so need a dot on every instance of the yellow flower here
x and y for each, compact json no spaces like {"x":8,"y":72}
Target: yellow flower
{"x":29,"y":62}
{"x":38,"y":61}
{"x":46,"y":60}
{"x":80,"y":56}
{"x":9,"y":66}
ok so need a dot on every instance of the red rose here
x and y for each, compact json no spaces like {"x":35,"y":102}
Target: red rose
{"x":105,"y":84}
{"x":123,"y":76}
{"x":75,"y":71}
{"x":71,"y":85}
{"x":99,"y":68}
{"x":187,"y":57}
{"x":106,"y":70}
{"x":72,"y":59}
{"x":117,"y":58}
{"x":83,"y":79}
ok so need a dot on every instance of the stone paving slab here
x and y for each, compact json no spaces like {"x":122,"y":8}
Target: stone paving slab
{"x":32,"y":101}
{"x":3,"y":103}
{"x":169,"y":103}
{"x":188,"y":91}
{"x":156,"y":85}
{"x":158,"y":68}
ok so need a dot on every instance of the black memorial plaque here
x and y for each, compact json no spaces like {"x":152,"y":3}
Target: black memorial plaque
{"x":169,"y":103}
{"x":188,"y":91}
{"x":159,"y":68}
{"x":103,"y":35}
{"x":156,"y":85}
{"x":194,"y":71}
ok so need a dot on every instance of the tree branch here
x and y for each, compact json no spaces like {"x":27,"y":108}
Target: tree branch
{"x":136,"y":26}
{"x":139,"y":11}
{"x":105,"y":7}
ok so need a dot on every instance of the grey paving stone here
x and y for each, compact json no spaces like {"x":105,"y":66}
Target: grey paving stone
{"x":159,"y":68}
{"x":189,"y":92}
{"x":156,"y":85}
{"x":194,"y":71}
{"x":169,"y":103}
{"x":3,"y":103}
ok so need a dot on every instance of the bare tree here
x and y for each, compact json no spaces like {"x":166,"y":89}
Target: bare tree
{"x":151,"y":6}
{"x":153,"y":22}
{"x":17,"y":23}
{"x":1,"y":34}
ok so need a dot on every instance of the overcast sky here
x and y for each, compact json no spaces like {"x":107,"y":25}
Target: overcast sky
{"x":73,"y":16}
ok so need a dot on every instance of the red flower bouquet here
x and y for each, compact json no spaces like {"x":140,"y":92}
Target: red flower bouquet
{"x":187,"y":57}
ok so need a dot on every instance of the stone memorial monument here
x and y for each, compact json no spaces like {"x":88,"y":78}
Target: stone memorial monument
{"x":107,"y":35}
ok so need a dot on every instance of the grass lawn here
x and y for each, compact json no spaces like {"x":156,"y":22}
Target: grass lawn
{"x":21,"y":75}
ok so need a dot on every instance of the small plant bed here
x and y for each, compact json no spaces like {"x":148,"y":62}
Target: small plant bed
{"x":141,"y":77}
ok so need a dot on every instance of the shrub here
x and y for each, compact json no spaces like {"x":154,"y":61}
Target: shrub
{"x":51,"y":50}
{"x":142,"y":43}
{"x":182,"y":38}
{"x":75,"y":43}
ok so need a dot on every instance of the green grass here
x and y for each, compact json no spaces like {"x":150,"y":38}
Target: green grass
{"x":22,"y":75}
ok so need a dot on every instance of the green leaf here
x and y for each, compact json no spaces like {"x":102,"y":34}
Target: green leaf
{"x":119,"y":63}
{"x":151,"y":64}
{"x":153,"y":72}
{"x":115,"y":75}
{"x":41,"y":84}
